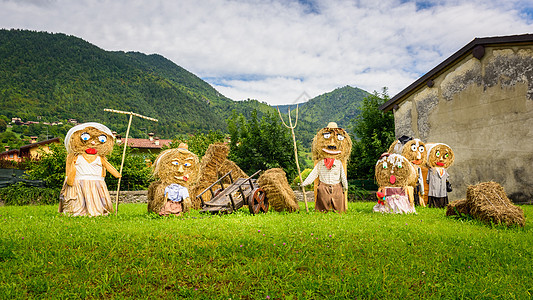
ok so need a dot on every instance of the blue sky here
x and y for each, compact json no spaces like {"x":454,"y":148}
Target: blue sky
{"x":276,"y":50}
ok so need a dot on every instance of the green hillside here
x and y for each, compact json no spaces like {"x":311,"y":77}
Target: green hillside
{"x":340,"y":106}
{"x":59,"y":77}
{"x":55,"y":77}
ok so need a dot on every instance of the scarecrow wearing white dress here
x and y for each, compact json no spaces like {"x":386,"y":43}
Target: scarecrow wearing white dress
{"x":84,"y":191}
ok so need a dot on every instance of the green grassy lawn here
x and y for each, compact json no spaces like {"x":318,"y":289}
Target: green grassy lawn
{"x":359,"y":254}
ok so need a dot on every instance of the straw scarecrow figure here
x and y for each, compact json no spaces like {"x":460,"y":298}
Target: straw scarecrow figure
{"x":331,"y":149}
{"x":415,"y":152}
{"x":174,"y":169}
{"x":440,"y":158}
{"x":393,"y":175}
{"x":84,"y":191}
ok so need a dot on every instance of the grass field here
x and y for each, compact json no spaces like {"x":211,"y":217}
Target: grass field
{"x":359,"y":254}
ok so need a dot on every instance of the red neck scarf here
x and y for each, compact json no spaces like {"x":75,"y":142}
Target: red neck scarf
{"x":329,"y":162}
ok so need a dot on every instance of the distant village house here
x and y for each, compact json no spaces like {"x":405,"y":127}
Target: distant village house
{"x":31,"y":151}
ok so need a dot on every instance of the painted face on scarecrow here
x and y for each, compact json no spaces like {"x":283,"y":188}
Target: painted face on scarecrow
{"x":332,"y":142}
{"x":413,"y":149}
{"x":89,"y":138}
{"x":439,"y":156}
{"x":177,"y":165}
{"x":394,"y":170}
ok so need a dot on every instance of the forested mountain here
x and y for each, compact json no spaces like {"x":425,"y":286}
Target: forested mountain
{"x":340,"y":106}
{"x":55,"y":77}
{"x":59,"y":77}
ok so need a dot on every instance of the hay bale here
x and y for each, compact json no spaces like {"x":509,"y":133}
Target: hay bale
{"x":458,"y":208}
{"x":278,"y":191}
{"x":489,"y":203}
{"x":236,"y":172}
{"x":214,"y":158}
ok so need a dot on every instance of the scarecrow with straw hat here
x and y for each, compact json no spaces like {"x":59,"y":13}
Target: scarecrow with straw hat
{"x":331,"y":149}
{"x":84,"y":191}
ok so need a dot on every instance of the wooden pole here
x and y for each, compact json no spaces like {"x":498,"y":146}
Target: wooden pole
{"x":131,"y":114}
{"x":122,"y":163}
{"x":291,"y":127}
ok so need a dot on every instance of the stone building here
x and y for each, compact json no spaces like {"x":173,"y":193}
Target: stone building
{"x":479,"y":101}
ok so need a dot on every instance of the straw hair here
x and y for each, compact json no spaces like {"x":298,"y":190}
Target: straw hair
{"x":488,"y":203}
{"x":389,"y":164}
{"x":77,"y":146}
{"x":278,"y":191}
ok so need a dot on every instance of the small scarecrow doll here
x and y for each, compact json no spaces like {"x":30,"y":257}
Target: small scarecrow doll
{"x":393,"y":173}
{"x":331,"y":149}
{"x":439,"y":158}
{"x":415,"y":152}
{"x":84,"y":191}
{"x":175,"y":170}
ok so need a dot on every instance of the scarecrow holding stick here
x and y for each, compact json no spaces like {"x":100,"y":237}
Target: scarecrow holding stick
{"x":85,"y":191}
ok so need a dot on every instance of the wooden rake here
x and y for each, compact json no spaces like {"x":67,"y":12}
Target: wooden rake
{"x":131,"y":114}
{"x":291,"y":127}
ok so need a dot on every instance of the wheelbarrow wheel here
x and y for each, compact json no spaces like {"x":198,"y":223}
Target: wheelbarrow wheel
{"x":257,"y":201}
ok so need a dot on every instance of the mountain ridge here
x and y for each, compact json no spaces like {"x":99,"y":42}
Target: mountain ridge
{"x":57,"y":76}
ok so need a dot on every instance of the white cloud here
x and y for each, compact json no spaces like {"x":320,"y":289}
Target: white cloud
{"x":275,"y":50}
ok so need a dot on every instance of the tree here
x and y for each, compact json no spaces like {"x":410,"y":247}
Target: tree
{"x":261,"y":144}
{"x":3,"y":125}
{"x":374,"y":132}
{"x":50,"y":167}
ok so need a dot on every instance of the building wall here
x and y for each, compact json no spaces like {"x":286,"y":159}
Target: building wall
{"x":483,"y":109}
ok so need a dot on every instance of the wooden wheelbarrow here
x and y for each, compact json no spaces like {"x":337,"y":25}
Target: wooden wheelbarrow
{"x":244,"y":191}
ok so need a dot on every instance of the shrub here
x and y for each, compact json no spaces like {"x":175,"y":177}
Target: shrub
{"x":19,"y":194}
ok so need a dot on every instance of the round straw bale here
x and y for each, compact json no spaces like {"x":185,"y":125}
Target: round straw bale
{"x":489,"y":203}
{"x":278,"y":191}
{"x":214,"y":158}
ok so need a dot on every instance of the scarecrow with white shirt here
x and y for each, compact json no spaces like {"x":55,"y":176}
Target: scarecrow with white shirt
{"x":331,"y":149}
